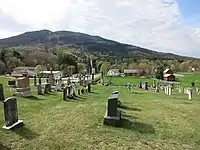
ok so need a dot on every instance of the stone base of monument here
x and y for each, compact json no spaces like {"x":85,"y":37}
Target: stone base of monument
{"x":18,"y":123}
{"x":113,"y":120}
{"x":24,"y":94}
{"x":70,"y":97}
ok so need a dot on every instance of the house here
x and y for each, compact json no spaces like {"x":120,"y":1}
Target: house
{"x":168,"y":75}
{"x":133,"y":72}
{"x":20,"y":71}
{"x":113,"y":72}
{"x":56,"y":74}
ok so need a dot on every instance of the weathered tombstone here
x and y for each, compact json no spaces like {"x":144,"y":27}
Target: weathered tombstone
{"x":46,"y":90}
{"x":74,"y":90}
{"x":11,"y":113}
{"x":23,"y":87}
{"x":113,"y":115}
{"x":35,"y":81}
{"x":12,"y":84}
{"x":39,"y":80}
{"x":140,"y":85}
{"x":157,"y":89}
{"x":189,"y":93}
{"x":65,"y":94}
{"x":146,"y":86}
{"x":193,"y":83}
{"x":2,"y":98}
{"x":49,"y":87}
{"x":51,"y":79}
{"x":39,"y":89}
{"x":89,"y":88}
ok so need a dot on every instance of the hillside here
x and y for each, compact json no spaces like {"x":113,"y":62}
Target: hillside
{"x":91,"y":44}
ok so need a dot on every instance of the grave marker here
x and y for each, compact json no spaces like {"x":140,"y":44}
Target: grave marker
{"x":190,"y":94}
{"x":11,"y":113}
{"x":2,"y":98}
{"x":39,"y":89}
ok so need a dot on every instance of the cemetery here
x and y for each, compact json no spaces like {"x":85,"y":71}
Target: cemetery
{"x":131,"y":113}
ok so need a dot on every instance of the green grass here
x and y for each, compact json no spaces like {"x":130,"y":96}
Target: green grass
{"x":152,"y":121}
{"x":188,"y":78}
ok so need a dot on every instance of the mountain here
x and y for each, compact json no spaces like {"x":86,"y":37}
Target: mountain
{"x":89,"y":43}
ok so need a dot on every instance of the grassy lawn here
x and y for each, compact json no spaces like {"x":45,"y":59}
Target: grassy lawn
{"x":152,"y":121}
{"x":188,"y":78}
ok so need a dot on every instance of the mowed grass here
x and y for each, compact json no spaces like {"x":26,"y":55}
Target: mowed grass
{"x":151,"y":121}
{"x":188,"y":78}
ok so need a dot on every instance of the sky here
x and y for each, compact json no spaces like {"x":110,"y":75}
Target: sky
{"x":163,"y":25}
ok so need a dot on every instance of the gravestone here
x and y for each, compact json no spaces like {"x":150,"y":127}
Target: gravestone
{"x":89,"y":88}
{"x":12,"y":84}
{"x":69,"y":92}
{"x":35,"y":81}
{"x":115,"y":91}
{"x":113,"y":115}
{"x":74,"y":90}
{"x":46,"y":89}
{"x":11,"y":113}
{"x":140,"y":85}
{"x":39,"y":89}
{"x":23,"y":87}
{"x":65,"y":93}
{"x":157,"y":89}
{"x":40,"y":80}
{"x":51,"y":79}
{"x":146,"y":86}
{"x":2,"y":98}
{"x":189,"y":93}
{"x":193,"y":83}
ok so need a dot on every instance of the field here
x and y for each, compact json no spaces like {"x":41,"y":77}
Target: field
{"x":151,"y":121}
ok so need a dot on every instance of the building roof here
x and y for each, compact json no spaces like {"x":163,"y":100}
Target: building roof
{"x":166,"y":70}
{"x":50,"y":72}
{"x":132,"y":70}
{"x":167,"y":75}
{"x":114,"y":70}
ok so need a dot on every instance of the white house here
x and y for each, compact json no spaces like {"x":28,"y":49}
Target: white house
{"x":56,"y":74}
{"x":113,"y":72}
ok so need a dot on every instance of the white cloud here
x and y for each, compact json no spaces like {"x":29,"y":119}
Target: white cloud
{"x":153,"y":24}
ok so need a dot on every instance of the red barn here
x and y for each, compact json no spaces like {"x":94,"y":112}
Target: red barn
{"x":168,"y":75}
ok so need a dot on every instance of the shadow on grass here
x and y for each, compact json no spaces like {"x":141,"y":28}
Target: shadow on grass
{"x":130,"y":116}
{"x":25,"y":132}
{"x":136,"y":93}
{"x":187,"y":102}
{"x":94,"y":93}
{"x":2,"y":147}
{"x":129,"y":108}
{"x":137,"y":126}
{"x":33,"y":98}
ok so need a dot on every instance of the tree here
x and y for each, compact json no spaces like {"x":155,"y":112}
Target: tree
{"x":71,"y":70}
{"x":2,"y":67}
{"x":159,"y":72}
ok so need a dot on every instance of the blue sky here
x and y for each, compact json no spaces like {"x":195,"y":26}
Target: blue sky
{"x":190,"y":11}
{"x":162,"y":25}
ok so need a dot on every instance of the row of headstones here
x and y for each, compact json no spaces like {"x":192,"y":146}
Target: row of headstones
{"x":168,"y":91}
{"x":10,"y":110}
{"x":113,"y":115}
{"x":69,"y":92}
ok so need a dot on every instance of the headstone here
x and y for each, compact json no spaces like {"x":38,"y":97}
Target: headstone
{"x":65,"y":94}
{"x":140,"y":85}
{"x":35,"y":81}
{"x":157,"y":89}
{"x":190,"y":94}
{"x":23,"y":87}
{"x":113,"y":115}
{"x":2,"y":98}
{"x":89,"y":88}
{"x":146,"y":86}
{"x":73,"y":90}
{"x":51,"y":79}
{"x":11,"y":113}
{"x":39,"y":80}
{"x":46,"y":90}
{"x":193,"y":83}
{"x":115,"y":91}
{"x":39,"y":89}
{"x":12,"y":84}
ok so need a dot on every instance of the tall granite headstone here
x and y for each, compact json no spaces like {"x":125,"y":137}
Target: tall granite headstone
{"x":113,"y":115}
{"x":39,"y":89}
{"x":11,"y":113}
{"x":2,"y":98}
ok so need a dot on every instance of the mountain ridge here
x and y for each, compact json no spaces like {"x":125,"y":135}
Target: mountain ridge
{"x":91,"y":43}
